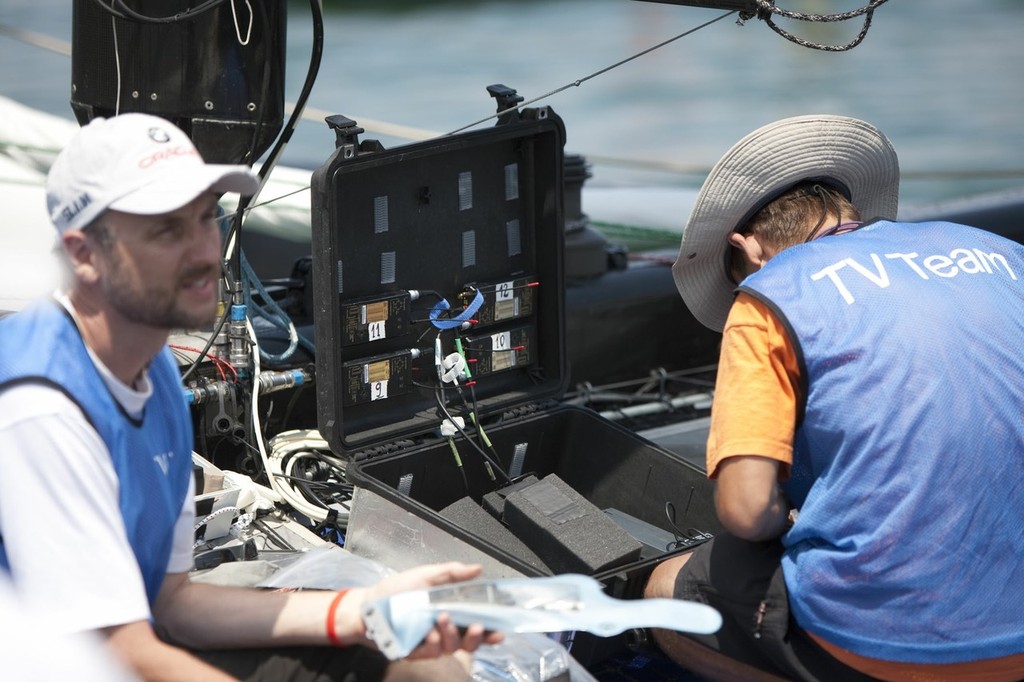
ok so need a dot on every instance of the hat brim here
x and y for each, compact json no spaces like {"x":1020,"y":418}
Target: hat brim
{"x":853,"y":153}
{"x":171,"y":191}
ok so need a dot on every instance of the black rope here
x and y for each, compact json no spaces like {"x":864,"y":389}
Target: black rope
{"x":766,"y":9}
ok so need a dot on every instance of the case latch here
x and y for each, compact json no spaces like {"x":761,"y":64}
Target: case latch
{"x":346,"y":133}
{"x":507,"y":98}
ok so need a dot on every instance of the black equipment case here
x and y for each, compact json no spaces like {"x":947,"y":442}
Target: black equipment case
{"x":452,"y":249}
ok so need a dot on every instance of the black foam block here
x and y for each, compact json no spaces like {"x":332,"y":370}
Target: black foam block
{"x":494,"y":502}
{"x":471,"y":517}
{"x":569,"y":533}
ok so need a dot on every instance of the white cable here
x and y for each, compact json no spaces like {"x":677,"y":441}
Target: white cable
{"x":293,"y":339}
{"x":117,"y":68}
{"x":272,"y":465}
{"x":343,"y":512}
{"x":454,"y":365}
{"x":248,"y":32}
{"x":301,"y":444}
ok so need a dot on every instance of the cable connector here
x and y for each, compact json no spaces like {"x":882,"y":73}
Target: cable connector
{"x":238,"y":339}
{"x":450,"y":427}
{"x":271,"y":381}
{"x":200,"y":395}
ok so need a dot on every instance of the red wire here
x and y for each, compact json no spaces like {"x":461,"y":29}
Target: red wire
{"x":219,"y":363}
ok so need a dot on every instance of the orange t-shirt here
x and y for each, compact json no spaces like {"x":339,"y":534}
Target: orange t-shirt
{"x":757,"y":397}
{"x":757,"y":389}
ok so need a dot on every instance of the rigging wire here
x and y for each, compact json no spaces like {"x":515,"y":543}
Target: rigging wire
{"x":581,"y":81}
{"x":766,"y":9}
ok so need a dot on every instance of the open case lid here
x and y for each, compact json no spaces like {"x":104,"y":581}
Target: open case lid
{"x":466,"y":229}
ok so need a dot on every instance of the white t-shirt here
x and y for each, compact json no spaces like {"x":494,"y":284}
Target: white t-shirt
{"x":59,"y":515}
{"x":32,"y":651}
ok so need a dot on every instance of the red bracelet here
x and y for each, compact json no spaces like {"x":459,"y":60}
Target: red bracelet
{"x":332,"y":636}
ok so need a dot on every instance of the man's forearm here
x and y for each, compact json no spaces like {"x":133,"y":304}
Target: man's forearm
{"x":748,"y":499}
{"x":204,"y":616}
{"x":150,"y":659}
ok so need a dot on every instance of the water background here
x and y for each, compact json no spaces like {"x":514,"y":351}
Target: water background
{"x":943,"y":78}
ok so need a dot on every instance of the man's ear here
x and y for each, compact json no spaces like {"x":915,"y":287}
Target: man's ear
{"x":749,"y":244}
{"x":81,"y":256}
{"x":751,"y":254}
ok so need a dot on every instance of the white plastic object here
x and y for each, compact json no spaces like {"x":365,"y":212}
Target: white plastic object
{"x":397,"y":624}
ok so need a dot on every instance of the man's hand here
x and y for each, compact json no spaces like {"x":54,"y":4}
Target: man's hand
{"x":445,"y":638}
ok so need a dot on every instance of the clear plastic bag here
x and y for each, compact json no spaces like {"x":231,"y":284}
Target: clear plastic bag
{"x":328,"y":567}
{"x":529,"y":657}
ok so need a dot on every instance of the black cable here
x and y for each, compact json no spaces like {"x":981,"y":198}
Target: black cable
{"x":458,"y":463}
{"x":474,"y":414}
{"x":259,"y":473}
{"x":316,"y":55}
{"x":691,"y":536}
{"x":483,"y":453}
{"x":235,"y":231}
{"x":209,"y":344}
{"x":309,"y":484}
{"x":268,"y":72}
{"x":127,"y":13}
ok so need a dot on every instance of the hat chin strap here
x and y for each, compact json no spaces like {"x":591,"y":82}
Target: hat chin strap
{"x":827,"y":201}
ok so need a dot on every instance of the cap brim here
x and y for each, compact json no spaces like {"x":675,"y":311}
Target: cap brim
{"x":853,"y":153}
{"x":171,"y":191}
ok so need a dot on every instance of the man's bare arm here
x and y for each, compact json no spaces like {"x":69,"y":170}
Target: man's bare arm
{"x":748,"y":499}
{"x":152,"y":660}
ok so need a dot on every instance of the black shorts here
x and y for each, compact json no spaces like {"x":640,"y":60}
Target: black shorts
{"x":300,"y":664}
{"x":743,"y":580}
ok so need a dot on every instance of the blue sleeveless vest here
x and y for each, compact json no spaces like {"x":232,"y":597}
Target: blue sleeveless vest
{"x":152,"y":456}
{"x":909,"y":457}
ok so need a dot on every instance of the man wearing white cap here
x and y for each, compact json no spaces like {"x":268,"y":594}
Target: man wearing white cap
{"x":96,"y":488}
{"x":866,"y":436}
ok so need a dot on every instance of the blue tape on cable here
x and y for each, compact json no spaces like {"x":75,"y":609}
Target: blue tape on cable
{"x":452,"y":322}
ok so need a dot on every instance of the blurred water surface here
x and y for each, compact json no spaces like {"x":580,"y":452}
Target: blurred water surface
{"x":942,"y":78}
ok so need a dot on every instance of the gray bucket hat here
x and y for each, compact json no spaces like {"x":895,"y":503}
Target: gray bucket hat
{"x":849,"y":153}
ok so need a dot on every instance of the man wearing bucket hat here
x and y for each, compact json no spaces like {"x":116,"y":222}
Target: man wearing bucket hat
{"x":865,"y":438}
{"x":96,"y":486}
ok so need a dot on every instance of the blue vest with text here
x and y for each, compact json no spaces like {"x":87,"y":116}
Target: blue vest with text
{"x":152,"y":456}
{"x":909,"y":454}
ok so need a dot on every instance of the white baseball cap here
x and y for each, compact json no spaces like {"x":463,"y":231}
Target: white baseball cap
{"x":134,"y":163}
{"x":850,"y":154}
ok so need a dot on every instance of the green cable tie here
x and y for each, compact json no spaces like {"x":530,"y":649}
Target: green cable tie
{"x":458,"y":347}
